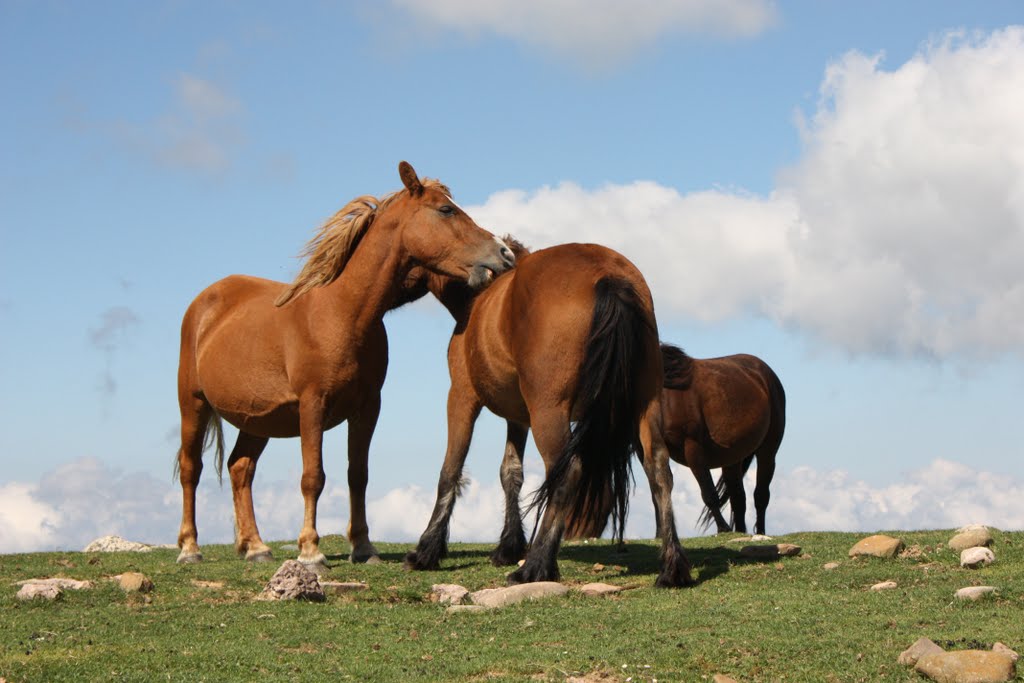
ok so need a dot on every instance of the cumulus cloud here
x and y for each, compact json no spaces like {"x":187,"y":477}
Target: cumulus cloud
{"x":594,"y":33}
{"x":85,"y":499}
{"x":899,"y":232}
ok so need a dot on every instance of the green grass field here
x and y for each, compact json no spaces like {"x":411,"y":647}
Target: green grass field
{"x":782,"y":620}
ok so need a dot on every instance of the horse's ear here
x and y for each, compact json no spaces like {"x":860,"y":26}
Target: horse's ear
{"x":410,"y":179}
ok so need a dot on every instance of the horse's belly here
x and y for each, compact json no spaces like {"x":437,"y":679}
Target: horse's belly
{"x":502,"y":397}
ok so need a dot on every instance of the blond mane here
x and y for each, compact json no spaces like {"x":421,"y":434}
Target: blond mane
{"x":336,"y":240}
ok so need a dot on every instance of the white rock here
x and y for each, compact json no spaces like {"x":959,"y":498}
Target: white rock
{"x":46,"y":591}
{"x":114,"y":544}
{"x":448,"y":593}
{"x":500,"y":597}
{"x":60,"y":582}
{"x":884,"y":586}
{"x":972,"y":558}
{"x":974,"y":592}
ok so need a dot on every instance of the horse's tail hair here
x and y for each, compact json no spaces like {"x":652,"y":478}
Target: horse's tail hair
{"x":602,"y":441}
{"x":214,"y":436}
{"x":722,"y":493}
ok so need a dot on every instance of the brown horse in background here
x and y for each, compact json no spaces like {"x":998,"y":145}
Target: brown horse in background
{"x":565,"y":344}
{"x":278,"y":360}
{"x":721,"y":412}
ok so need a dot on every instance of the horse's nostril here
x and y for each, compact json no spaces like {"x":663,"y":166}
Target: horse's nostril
{"x":507,"y":254}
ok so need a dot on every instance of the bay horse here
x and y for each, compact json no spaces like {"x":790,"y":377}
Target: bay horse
{"x":278,"y":360}
{"x":565,"y":344}
{"x":722,"y":412}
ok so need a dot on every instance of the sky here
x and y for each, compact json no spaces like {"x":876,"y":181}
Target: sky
{"x":837,"y":188}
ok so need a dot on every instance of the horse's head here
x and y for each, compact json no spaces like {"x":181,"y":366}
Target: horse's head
{"x":440,"y":236}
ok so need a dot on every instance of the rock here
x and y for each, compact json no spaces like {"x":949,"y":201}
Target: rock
{"x":974,"y":592}
{"x":116,"y":544}
{"x":467,"y":608}
{"x":44,"y":591}
{"x":878,"y":545}
{"x":599,"y":589}
{"x":760,"y":538}
{"x":293,"y":581}
{"x":884,"y":586}
{"x":134,"y":582}
{"x":448,"y":593}
{"x":500,"y":597}
{"x":342,"y":587}
{"x":972,"y":537}
{"x":211,"y":585}
{"x":999,"y":647}
{"x":829,"y":566}
{"x":920,"y":648}
{"x":967,"y":666}
{"x":722,"y":678}
{"x":741,"y":539}
{"x":972,"y":527}
{"x":972,"y":558}
{"x":769,"y":552}
{"x":60,"y":582}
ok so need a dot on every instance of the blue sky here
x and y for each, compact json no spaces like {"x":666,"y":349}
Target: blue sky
{"x":835,"y":187}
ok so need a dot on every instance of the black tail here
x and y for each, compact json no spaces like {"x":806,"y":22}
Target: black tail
{"x":706,"y":519}
{"x":606,"y":434}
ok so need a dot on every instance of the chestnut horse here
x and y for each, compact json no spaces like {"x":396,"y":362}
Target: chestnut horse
{"x":565,"y":344}
{"x":278,"y":360}
{"x":721,"y":412}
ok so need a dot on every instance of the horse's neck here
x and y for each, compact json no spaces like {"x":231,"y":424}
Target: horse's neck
{"x":368,"y":286}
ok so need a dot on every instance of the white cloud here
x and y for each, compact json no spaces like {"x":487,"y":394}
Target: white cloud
{"x":900,"y":231}
{"x":85,"y":499}
{"x":595,"y":33}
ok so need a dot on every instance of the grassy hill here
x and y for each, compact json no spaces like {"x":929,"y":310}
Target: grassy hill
{"x":779,"y":620}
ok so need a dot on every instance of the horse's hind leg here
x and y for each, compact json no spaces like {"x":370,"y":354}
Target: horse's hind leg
{"x":360,"y":432}
{"x":463,"y":409}
{"x":195,"y":416}
{"x":675,"y":567}
{"x":242,"y":468}
{"x":550,"y":433}
{"x":733,"y":477}
{"x":512,"y":545}
{"x":762,"y":492}
{"x":708,"y":492}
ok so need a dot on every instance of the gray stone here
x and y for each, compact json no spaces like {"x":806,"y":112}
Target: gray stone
{"x":116,"y":544}
{"x":878,"y":545}
{"x":448,"y":593}
{"x":592,"y":589}
{"x":342,"y":587}
{"x":974,"y":592}
{"x":60,"y":582}
{"x":760,"y":538}
{"x":967,"y":666}
{"x":973,"y":558}
{"x":43,"y":591}
{"x":970,"y":538}
{"x":920,"y":648}
{"x":134,"y":582}
{"x":770,"y":552}
{"x":500,"y":597}
{"x":293,"y":581}
{"x":884,"y":586}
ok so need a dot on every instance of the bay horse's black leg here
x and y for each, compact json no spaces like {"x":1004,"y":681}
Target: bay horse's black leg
{"x":433,"y":544}
{"x":732,"y":475}
{"x":512,"y":545}
{"x":675,"y":567}
{"x":709,"y":495}
{"x":762,"y":493}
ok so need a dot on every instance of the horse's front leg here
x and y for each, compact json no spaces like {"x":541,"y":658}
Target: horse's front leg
{"x":311,"y":426}
{"x":463,"y":409}
{"x":675,"y":567}
{"x":512,"y":545}
{"x":360,"y":432}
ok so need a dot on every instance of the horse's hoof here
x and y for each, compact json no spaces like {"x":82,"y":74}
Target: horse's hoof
{"x":372,"y":558}
{"x":260,"y":556}
{"x":189,"y":558}
{"x":415,"y":562}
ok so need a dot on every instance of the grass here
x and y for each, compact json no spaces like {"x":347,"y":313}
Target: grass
{"x":784,"y":620}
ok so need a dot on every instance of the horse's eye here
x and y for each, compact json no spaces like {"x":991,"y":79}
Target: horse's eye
{"x":446,"y":209}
